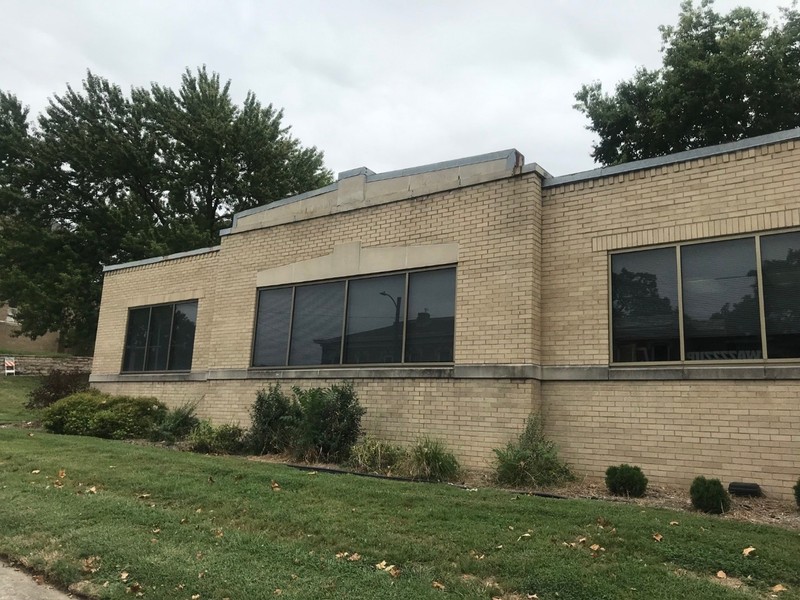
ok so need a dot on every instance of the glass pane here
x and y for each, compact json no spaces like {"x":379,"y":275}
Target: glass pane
{"x":375,"y":320}
{"x":431,"y":316}
{"x":317,"y":324}
{"x":182,"y":345}
{"x":780,"y":268}
{"x":720,"y":301}
{"x":644,"y":306}
{"x":272,"y":327}
{"x":136,"y":339}
{"x":158,"y":340}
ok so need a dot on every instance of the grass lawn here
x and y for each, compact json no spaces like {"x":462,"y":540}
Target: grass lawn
{"x":13,"y":396}
{"x":189,"y":526}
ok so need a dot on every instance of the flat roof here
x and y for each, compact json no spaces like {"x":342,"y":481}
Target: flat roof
{"x":158,"y":259}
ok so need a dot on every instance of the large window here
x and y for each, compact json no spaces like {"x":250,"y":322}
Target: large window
{"x":160,"y":338}
{"x":398,"y":318}
{"x":736,"y":299}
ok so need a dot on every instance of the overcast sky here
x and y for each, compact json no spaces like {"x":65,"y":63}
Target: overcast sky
{"x":386,"y":85}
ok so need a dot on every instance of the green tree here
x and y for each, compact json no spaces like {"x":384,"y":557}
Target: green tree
{"x":107,"y":177}
{"x":723,"y":78}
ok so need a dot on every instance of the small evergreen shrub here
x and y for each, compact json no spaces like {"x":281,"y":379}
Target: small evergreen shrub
{"x":176,"y":425}
{"x":57,"y":384}
{"x":103,"y":415}
{"x":430,"y":460}
{"x":371,"y":455}
{"x":797,"y":493}
{"x":329,"y":423}
{"x":531,"y":460}
{"x":274,"y":420}
{"x":225,"y":439}
{"x":709,"y":496}
{"x":626,"y":480}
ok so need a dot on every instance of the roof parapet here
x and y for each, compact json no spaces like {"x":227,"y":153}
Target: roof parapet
{"x":158,"y":259}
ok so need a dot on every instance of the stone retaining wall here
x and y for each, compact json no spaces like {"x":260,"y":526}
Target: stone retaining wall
{"x":41,"y":365}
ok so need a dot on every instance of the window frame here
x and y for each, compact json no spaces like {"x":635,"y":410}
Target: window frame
{"x":347,"y":279}
{"x":150,"y":308}
{"x":756,"y":237}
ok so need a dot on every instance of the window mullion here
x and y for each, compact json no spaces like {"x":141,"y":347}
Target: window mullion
{"x":762,"y":311}
{"x":169,"y":339}
{"x":682,"y":340}
{"x":344,"y":320}
{"x":405,"y":320}
{"x":291,"y":323}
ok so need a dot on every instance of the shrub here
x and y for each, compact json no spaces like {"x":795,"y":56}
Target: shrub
{"x":225,"y":439}
{"x":429,"y":459}
{"x":372,"y":455}
{"x":626,"y":480}
{"x":274,"y":420}
{"x":102,"y":415}
{"x":709,"y":496}
{"x":177,"y":424}
{"x":531,"y":460}
{"x":57,"y":384}
{"x":329,"y":423}
{"x":797,"y":493}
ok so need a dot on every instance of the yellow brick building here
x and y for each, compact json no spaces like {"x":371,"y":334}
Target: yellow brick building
{"x":645,"y":310}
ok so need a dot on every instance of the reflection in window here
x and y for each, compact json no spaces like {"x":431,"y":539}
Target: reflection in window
{"x":720,"y":300}
{"x":780,"y":269}
{"x":160,"y":338}
{"x":644,"y":305}
{"x":375,"y":327}
{"x":431,"y":316}
{"x":318,"y":311}
{"x":374,"y":331}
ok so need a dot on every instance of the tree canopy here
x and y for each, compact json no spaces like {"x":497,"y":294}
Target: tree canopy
{"x":723,"y":78}
{"x":105,"y":177}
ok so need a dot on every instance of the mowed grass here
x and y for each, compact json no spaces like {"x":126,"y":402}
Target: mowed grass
{"x":13,"y":396}
{"x":182,"y":525}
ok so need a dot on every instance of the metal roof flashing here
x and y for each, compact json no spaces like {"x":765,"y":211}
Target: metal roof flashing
{"x":159,"y":259}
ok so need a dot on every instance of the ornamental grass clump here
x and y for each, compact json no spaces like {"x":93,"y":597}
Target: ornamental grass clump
{"x":626,"y":480}
{"x":531,"y":460}
{"x":371,"y":455}
{"x":797,"y":493}
{"x":430,"y":460}
{"x":709,"y":496}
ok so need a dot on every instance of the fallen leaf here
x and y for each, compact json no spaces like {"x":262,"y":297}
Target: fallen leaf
{"x":92,"y":490}
{"x":582,"y":540}
{"x":342,"y":554}
{"x":201,"y":575}
{"x":594,"y":547}
{"x":278,"y":591}
{"x":124,"y":576}
{"x":143,"y":496}
{"x":354,"y":557}
{"x":500,"y":547}
{"x":58,"y":483}
{"x":394,"y":571}
{"x":195,"y":596}
{"x":36,"y":471}
{"x":184,"y":521}
{"x":748,"y":551}
{"x":778,"y":588}
{"x":658,"y":537}
{"x":62,"y":473}
{"x":674,"y":523}
{"x":524,"y":535}
{"x":91,"y":564}
{"x":275,"y":486}
{"x":312,"y":473}
{"x":218,"y":533}
{"x":135,"y":587}
{"x":510,"y":528}
{"x":199,"y":510}
{"x":381,"y":565}
{"x":437,"y":586}
{"x":153,"y":541}
{"x":39,"y":579}
{"x":157,"y":530}
{"x":721,"y":575}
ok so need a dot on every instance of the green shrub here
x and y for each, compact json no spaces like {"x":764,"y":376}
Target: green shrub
{"x":102,"y":415}
{"x":225,"y":439}
{"x":709,"y":496}
{"x":430,"y":460}
{"x":531,"y":460}
{"x":371,"y":455}
{"x":329,"y":423}
{"x":57,"y":384}
{"x":176,"y":425}
{"x":274,"y":420}
{"x":797,"y":493}
{"x":626,"y":480}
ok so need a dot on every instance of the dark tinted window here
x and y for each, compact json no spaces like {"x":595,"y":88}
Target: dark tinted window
{"x":780,"y":268}
{"x":183,"y":325}
{"x":317,"y":324}
{"x":375,"y":320}
{"x":431,"y":316}
{"x":720,"y":301}
{"x":136,"y":339}
{"x":644,"y":306}
{"x":272,"y":327}
{"x":160,"y":338}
